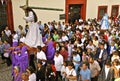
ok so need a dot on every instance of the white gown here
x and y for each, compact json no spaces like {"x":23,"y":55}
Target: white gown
{"x":33,"y":37}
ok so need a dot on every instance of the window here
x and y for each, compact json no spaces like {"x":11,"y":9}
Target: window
{"x":101,"y":11}
{"x":115,"y":11}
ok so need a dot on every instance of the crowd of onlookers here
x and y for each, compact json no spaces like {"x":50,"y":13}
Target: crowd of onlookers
{"x":78,"y":51}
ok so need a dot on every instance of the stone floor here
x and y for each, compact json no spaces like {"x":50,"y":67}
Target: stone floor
{"x":5,"y":72}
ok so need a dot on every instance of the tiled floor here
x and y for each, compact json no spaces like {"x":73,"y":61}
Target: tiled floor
{"x":5,"y":72}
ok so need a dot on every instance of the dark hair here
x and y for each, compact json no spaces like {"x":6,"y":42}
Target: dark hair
{"x":86,"y":63}
{"x":35,"y":16}
{"x":39,"y":62}
{"x":39,"y":47}
{"x":30,"y":68}
{"x":71,"y":64}
{"x":108,"y":62}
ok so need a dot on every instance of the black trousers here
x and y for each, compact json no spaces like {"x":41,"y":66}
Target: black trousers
{"x":94,"y":79}
{"x":58,"y":76}
{"x":2,"y":56}
{"x":8,"y":61}
{"x":31,"y":61}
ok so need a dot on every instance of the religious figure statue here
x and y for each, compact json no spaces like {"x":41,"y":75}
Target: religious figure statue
{"x":33,"y":37}
{"x":105,"y":22}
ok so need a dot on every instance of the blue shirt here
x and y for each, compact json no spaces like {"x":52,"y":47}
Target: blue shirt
{"x":85,"y":74}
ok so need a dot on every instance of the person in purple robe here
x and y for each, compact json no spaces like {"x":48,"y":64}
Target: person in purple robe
{"x":17,"y":76}
{"x":14,"y":60}
{"x":22,"y":58}
{"x":50,"y":49}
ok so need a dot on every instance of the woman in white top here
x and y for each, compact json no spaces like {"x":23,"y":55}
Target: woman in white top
{"x":14,"y":39}
{"x":71,"y":73}
{"x":32,"y":75}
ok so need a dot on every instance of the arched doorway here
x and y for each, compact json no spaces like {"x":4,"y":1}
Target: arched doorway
{"x":6,"y":15}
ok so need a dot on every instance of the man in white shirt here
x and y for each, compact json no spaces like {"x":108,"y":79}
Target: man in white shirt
{"x":58,"y":60}
{"x":41,"y":55}
{"x":64,"y":37}
{"x":94,"y":68}
{"x":7,"y":31}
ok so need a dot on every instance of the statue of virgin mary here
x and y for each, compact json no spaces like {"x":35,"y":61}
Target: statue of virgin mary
{"x":33,"y":37}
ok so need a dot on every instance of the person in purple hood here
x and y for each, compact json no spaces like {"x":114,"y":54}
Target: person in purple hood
{"x":50,"y":49}
{"x":22,"y":58}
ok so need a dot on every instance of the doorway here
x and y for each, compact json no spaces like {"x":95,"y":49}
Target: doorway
{"x":3,"y":16}
{"x":74,"y":13}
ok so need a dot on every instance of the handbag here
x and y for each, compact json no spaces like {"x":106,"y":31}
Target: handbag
{"x":6,"y":55}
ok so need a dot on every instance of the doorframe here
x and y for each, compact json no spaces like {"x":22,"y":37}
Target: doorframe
{"x":9,"y":10}
{"x":99,"y":8}
{"x":83,"y":8}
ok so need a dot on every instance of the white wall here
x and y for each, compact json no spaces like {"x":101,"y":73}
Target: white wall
{"x":92,"y":7}
{"x":43,"y":15}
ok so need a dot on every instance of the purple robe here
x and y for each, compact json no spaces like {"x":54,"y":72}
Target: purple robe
{"x":15,"y":44}
{"x":14,"y":60}
{"x":22,"y":59}
{"x":50,"y":51}
{"x":18,"y":78}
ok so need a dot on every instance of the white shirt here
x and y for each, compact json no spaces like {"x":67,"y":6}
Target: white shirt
{"x":64,"y":38}
{"x":58,"y":62}
{"x":76,"y":58}
{"x":22,"y":39}
{"x":63,"y":69}
{"x":91,"y":47}
{"x":94,"y":68}
{"x":32,"y":77}
{"x":8,"y":33}
{"x":70,"y":72}
{"x":41,"y":55}
{"x":112,"y":49}
{"x":106,"y":71}
{"x":15,"y":38}
{"x":101,"y":52}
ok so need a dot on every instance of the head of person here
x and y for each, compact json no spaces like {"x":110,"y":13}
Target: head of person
{"x":30,"y":70}
{"x":108,"y":63}
{"x":85,"y":65}
{"x":102,"y":46}
{"x":39,"y":64}
{"x":20,"y":27}
{"x":65,"y":63}
{"x":24,"y":76}
{"x":112,"y":43}
{"x":70,"y":65}
{"x":89,"y":50}
{"x":14,"y":32}
{"x":57,"y":53}
{"x":6,"y":28}
{"x":90,"y":42}
{"x":91,"y":59}
{"x":74,"y":53}
{"x":116,"y":62}
{"x":16,"y":69}
{"x":6,"y":42}
{"x":39,"y":48}
{"x":27,"y":10}
{"x":3,"y":33}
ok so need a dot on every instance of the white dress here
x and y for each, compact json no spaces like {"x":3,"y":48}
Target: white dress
{"x":33,"y":37}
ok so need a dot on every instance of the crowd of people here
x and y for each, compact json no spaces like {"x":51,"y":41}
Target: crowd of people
{"x":79,"y":51}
